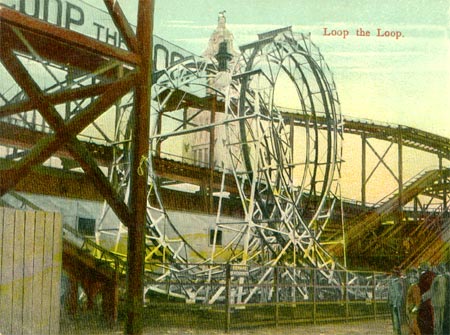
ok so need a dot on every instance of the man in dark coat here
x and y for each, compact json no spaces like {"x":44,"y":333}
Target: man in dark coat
{"x":425,"y":318}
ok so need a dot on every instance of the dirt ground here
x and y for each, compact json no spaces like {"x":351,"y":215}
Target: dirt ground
{"x":366,"y":327}
{"x":381,"y":327}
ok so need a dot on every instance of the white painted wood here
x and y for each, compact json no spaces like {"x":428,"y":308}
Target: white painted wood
{"x":30,"y":218}
{"x":47,"y":261}
{"x":56,"y":275}
{"x":38,"y":255}
{"x":30,"y":277}
{"x":2,"y":308}
{"x":18,"y":259}
{"x":7,"y":270}
{"x":6,"y":287}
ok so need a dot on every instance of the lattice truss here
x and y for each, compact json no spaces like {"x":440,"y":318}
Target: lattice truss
{"x":286,"y":172}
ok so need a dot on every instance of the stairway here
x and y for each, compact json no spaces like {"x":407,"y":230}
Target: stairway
{"x":363,"y":225}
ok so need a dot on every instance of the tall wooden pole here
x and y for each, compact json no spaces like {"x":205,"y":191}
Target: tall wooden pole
{"x":138,"y":192}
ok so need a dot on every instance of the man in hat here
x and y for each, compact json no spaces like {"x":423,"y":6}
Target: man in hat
{"x":395,"y":299}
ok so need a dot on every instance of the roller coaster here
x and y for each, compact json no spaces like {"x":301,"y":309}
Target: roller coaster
{"x":269,"y":192}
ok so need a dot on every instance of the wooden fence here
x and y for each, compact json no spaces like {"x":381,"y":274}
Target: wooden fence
{"x":30,"y":277}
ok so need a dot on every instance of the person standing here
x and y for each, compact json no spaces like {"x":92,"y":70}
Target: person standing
{"x":438,"y":297}
{"x":446,"y":323}
{"x":425,"y":318}
{"x":395,"y":299}
{"x":412,"y":302}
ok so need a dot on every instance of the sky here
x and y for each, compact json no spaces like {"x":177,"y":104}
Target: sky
{"x":404,"y":79}
{"x":401,"y":79}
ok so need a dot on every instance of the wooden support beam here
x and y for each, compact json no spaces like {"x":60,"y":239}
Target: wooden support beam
{"x":55,"y":182}
{"x":56,"y":98}
{"x":89,"y":165}
{"x":25,"y":139}
{"x":139,"y":173}
{"x":122,"y":24}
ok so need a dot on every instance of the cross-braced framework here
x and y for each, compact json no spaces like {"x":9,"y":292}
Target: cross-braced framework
{"x":63,"y":85}
{"x":285,"y":174}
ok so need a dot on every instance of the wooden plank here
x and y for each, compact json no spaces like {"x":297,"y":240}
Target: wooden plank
{"x":47,"y":273}
{"x":38,"y":254}
{"x":6,"y":291}
{"x":56,"y":275}
{"x":2,"y":212}
{"x":18,"y":258}
{"x":30,"y":217}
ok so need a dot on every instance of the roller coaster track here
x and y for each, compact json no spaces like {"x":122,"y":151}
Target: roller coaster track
{"x":409,"y":136}
{"x":362,"y":225}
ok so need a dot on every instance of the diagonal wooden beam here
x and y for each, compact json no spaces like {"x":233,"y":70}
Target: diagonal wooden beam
{"x":122,"y":24}
{"x":60,"y":35}
{"x":56,"y":98}
{"x":116,"y":90}
{"x":51,"y":115}
{"x":39,"y":154}
{"x":20,"y":74}
{"x":90,"y":167}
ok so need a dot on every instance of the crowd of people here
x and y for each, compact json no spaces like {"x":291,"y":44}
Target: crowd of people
{"x":421,"y":300}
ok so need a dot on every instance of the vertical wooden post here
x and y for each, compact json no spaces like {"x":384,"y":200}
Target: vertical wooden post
{"x":139,"y":172}
{"x":227,"y":298}
{"x":110,"y":298}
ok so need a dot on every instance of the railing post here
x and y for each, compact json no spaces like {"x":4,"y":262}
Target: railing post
{"x":275,"y":285}
{"x":228,"y":298}
{"x":314,"y":282}
{"x":346,"y":296}
{"x":374,"y":296}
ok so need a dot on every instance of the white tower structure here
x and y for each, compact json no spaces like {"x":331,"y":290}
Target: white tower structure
{"x":196,"y":146}
{"x":221,"y":34}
